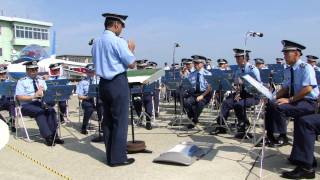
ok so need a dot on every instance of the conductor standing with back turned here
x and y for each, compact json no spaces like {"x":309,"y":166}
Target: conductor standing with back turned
{"x":112,"y":56}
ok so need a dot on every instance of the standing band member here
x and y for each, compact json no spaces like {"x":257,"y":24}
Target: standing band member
{"x":112,"y":56}
{"x":29,"y":91}
{"x":88,"y":104}
{"x":297,"y":97}
{"x":201,"y":91}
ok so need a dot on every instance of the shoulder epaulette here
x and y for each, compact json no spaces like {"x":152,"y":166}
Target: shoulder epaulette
{"x":303,"y":65}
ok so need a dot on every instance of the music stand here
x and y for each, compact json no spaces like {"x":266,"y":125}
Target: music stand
{"x":220,"y":81}
{"x":55,"y":94}
{"x":56,"y":82}
{"x":93,"y":92}
{"x":135,"y":146}
{"x":173,"y":85}
{"x":8,"y":89}
{"x":140,"y":90}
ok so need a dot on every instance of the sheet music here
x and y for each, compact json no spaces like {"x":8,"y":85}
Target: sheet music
{"x":259,"y":86}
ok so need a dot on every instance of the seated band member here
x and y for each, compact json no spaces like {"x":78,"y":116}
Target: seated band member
{"x":296,"y":98}
{"x":241,"y":99}
{"x":223,"y":64}
{"x":208,"y":64}
{"x":187,"y":67}
{"x":29,"y":91}
{"x":88,"y":103}
{"x":7,"y":103}
{"x":143,"y":98}
{"x":55,"y":74}
{"x":306,"y":129}
{"x":313,"y":60}
{"x":260,"y":63}
{"x":200,"y":94}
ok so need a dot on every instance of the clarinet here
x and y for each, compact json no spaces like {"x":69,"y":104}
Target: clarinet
{"x":43,"y":103}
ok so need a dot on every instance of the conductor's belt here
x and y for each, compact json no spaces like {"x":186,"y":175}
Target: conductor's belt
{"x":120,"y":74}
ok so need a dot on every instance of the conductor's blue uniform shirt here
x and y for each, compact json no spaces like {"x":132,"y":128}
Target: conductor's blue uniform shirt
{"x":111,"y":55}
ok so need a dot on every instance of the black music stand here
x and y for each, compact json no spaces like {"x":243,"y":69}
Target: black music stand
{"x":7,"y":89}
{"x":220,"y":81}
{"x":57,"y":82}
{"x":55,"y":94}
{"x":135,"y":146}
{"x":93,"y":92}
{"x":174,"y":85}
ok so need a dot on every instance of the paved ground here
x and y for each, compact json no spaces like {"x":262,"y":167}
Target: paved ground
{"x":78,"y":158}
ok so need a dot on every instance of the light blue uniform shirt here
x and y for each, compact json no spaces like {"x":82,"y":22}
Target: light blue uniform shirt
{"x":25,"y":86}
{"x":304,"y":75}
{"x":203,"y":82}
{"x":111,"y":55}
{"x":83,"y":86}
{"x":248,"y":69}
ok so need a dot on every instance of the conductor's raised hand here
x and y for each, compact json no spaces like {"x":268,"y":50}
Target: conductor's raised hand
{"x":131,"y":45}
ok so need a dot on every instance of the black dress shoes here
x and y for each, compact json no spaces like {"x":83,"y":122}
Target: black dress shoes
{"x":282,"y":141}
{"x":98,"y":139}
{"x":299,"y":172}
{"x":49,"y":141}
{"x":13,"y":129}
{"x":190,"y":126}
{"x":128,"y":162}
{"x":58,"y":140}
{"x":84,"y":131}
{"x":148,"y":126}
{"x":218,"y":130}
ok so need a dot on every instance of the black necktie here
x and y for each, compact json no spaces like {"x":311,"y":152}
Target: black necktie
{"x":292,"y":82}
{"x":198,"y":83}
{"x":35,"y":85}
{"x":56,"y":77}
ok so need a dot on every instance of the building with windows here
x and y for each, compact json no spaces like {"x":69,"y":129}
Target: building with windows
{"x":16,"y":33}
{"x":76,"y":58}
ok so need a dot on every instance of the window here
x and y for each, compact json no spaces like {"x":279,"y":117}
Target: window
{"x":44,"y":34}
{"x":28,"y":32}
{"x":0,"y":51}
{"x":20,"y":31}
{"x":31,"y":33}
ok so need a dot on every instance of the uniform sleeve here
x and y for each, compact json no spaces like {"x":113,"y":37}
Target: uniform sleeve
{"x":19,"y":88}
{"x":124,"y":52}
{"x":256,"y":73}
{"x":309,"y":77}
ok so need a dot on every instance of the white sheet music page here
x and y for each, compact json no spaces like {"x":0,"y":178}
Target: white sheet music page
{"x":259,"y":86}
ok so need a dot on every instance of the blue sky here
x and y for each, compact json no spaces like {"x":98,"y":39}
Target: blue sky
{"x":210,"y":28}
